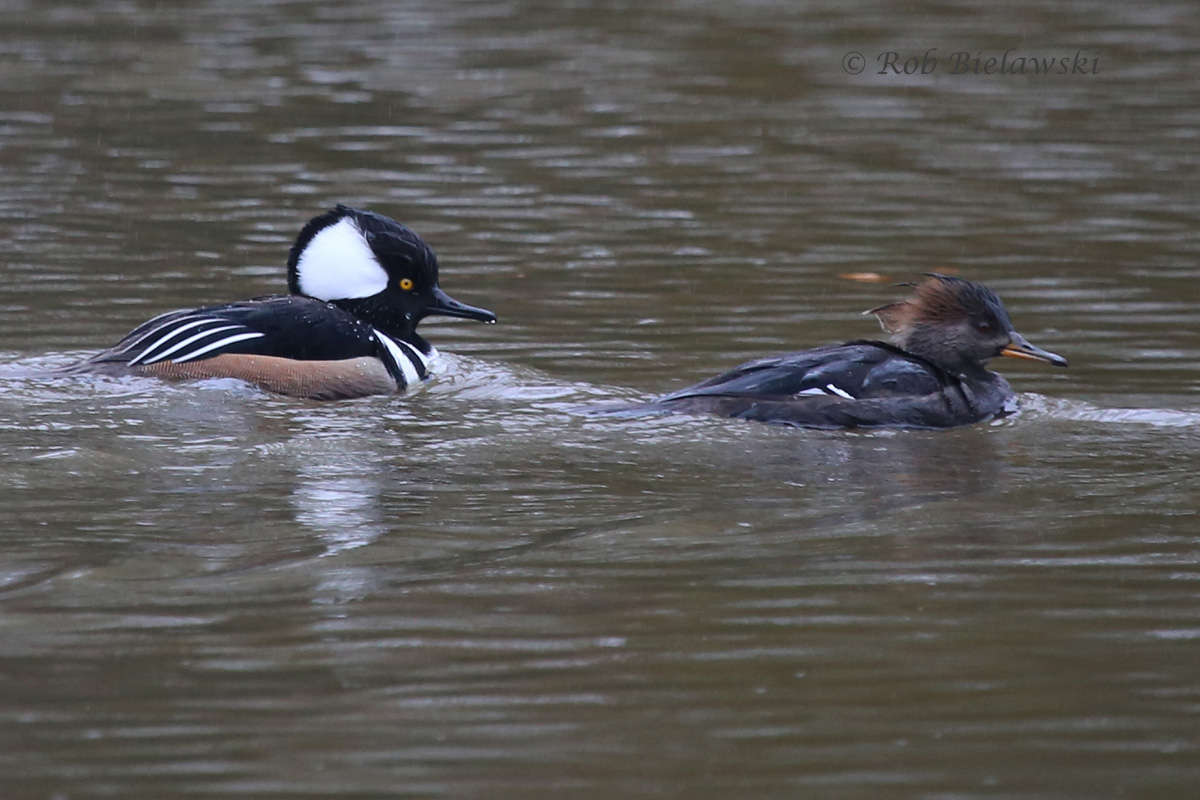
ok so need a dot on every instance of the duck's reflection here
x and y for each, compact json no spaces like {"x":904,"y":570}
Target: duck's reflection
{"x":337,"y":497}
{"x":342,"y":509}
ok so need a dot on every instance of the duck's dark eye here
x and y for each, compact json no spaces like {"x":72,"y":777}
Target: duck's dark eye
{"x":983,"y":327}
{"x":406,"y":284}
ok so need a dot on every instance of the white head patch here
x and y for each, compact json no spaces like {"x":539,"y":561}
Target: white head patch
{"x":338,"y":264}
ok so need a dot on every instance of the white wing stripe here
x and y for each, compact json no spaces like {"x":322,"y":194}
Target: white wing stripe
{"x":228,"y":340}
{"x":829,"y":391}
{"x":194,"y":337}
{"x":171,"y":334}
{"x":151,"y":332}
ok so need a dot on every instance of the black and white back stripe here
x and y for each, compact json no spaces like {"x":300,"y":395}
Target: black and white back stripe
{"x":408,"y":364}
{"x":186,"y":337}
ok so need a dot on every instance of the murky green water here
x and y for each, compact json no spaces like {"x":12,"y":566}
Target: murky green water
{"x":472,"y":591}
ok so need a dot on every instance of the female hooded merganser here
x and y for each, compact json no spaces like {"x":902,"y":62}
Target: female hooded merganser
{"x":360,"y":283}
{"x":934,"y":376}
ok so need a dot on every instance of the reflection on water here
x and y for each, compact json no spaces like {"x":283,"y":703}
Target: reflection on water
{"x":342,"y":509}
{"x":474,"y":590}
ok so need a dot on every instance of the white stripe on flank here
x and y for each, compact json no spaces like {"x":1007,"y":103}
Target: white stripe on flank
{"x":835,"y":390}
{"x":813,"y":390}
{"x":228,"y":340}
{"x":416,"y":355}
{"x":402,"y":358}
{"x":171,"y":334}
{"x":195,"y":337}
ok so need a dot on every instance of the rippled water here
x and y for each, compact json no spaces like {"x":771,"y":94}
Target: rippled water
{"x":475,"y":591}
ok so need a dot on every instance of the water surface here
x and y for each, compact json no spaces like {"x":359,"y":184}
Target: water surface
{"x":475,"y":591}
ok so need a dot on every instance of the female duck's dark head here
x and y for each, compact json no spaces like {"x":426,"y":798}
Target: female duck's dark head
{"x":957,"y":324}
{"x":373,"y":267}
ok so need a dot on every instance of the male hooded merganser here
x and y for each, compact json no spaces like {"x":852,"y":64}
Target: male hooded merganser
{"x":360,"y":283}
{"x":933,"y":376}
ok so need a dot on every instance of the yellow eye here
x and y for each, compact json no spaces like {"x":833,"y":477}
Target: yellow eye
{"x":406,"y":284}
